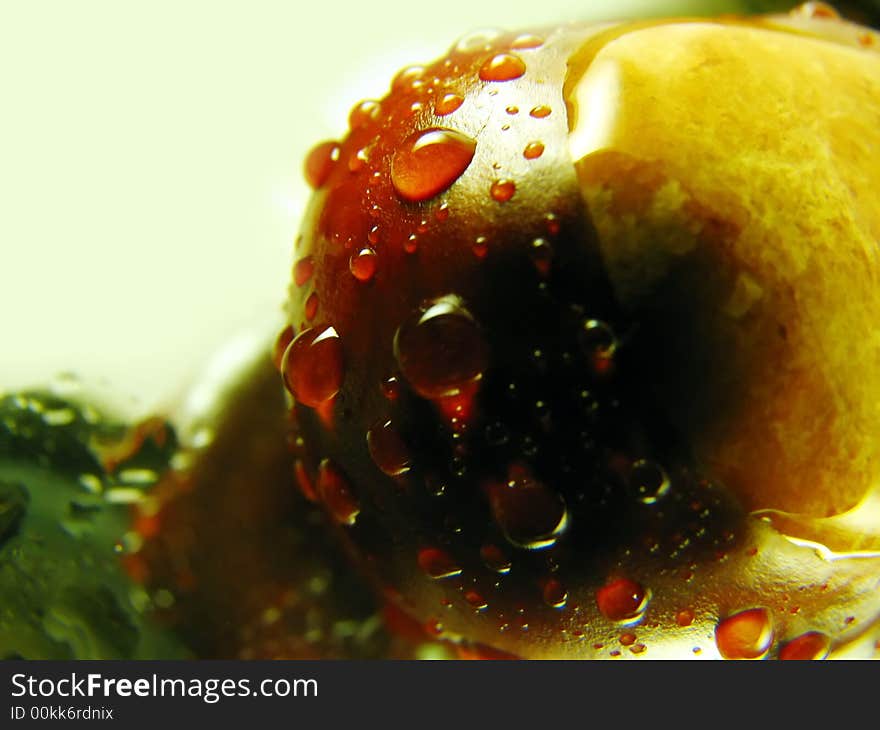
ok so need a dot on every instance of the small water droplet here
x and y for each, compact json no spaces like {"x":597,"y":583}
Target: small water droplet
{"x":411,"y":244}
{"x":406,"y":76}
{"x":480,"y":247}
{"x":745,"y":635}
{"x":310,"y":308}
{"x":649,"y":481}
{"x":319,"y":163}
{"x":303,"y":270}
{"x":533,"y":150}
{"x":542,"y":256}
{"x":476,"y":600}
{"x":363,"y":264}
{"x":437,"y":563}
{"x":540,"y":111}
{"x":388,"y":450}
{"x":442,"y":213}
{"x":502,"y":190}
{"x":495,"y":559}
{"x":373,"y":236}
{"x":527,"y":41}
{"x":811,"y":646}
{"x":622,"y":600}
{"x":531,"y":515}
{"x":285,"y":337}
{"x":502,"y":67}
{"x":428,"y":162}
{"x":391,"y":387}
{"x":336,"y":493}
{"x":312,"y":366}
{"x":358,"y":161}
{"x":685,"y":617}
{"x":816,"y":10}
{"x":441,"y":350}
{"x":447,"y":104}
{"x":478,"y":40}
{"x":304,"y":481}
{"x":512,"y":110}
{"x":364,"y":113}
{"x":554,"y":593}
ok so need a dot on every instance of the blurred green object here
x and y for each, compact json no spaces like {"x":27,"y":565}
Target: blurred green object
{"x":63,"y":523}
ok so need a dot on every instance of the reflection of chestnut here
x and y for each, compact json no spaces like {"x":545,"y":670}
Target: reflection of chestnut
{"x":583,"y":346}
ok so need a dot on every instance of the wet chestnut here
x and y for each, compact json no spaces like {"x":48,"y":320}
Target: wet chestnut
{"x":623,"y":279}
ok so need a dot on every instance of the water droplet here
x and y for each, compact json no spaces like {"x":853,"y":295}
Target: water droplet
{"x":512,"y":110}
{"x":502,"y":67}
{"x":303,"y":270}
{"x":478,"y":40}
{"x":542,"y":256}
{"x":531,"y":515}
{"x":807,"y":647}
{"x":816,"y":10}
{"x":502,"y":190}
{"x":285,"y":337}
{"x":391,"y":387}
{"x":336,"y":494}
{"x":363,"y":264}
{"x":312,"y":366}
{"x":304,"y":481}
{"x":428,"y":162}
{"x":495,"y":559}
{"x":407,"y":76}
{"x":685,"y":617}
{"x":628,"y":639}
{"x":554,"y":593}
{"x":411,"y":244}
{"x":441,"y":350}
{"x":533,"y":150}
{"x":540,"y":111}
{"x":373,"y":235}
{"x":358,"y":161}
{"x":480,"y":247}
{"x":447,"y":104}
{"x":476,"y":600}
{"x":553,"y":225}
{"x":310,"y":309}
{"x":623,"y":600}
{"x":388,"y":450}
{"x":320,"y":162}
{"x":364,"y":113}
{"x":745,"y":635}
{"x":649,"y":481}
{"x":438,"y":563}
{"x":599,"y":344}
{"x":442,"y":213}
{"x":527,"y":41}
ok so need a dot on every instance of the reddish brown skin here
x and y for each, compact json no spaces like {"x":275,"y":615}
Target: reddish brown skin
{"x":510,"y":240}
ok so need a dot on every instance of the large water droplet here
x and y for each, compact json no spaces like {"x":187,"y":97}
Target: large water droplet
{"x":364,"y":113}
{"x":438,"y":563}
{"x":428,"y":162}
{"x":388,"y":450}
{"x":554,"y":593}
{"x":312,"y":366}
{"x":502,"y":67}
{"x":623,"y":600}
{"x":285,"y":337}
{"x":335,"y":491}
{"x":531,"y":515}
{"x":441,"y":350}
{"x":745,"y":635}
